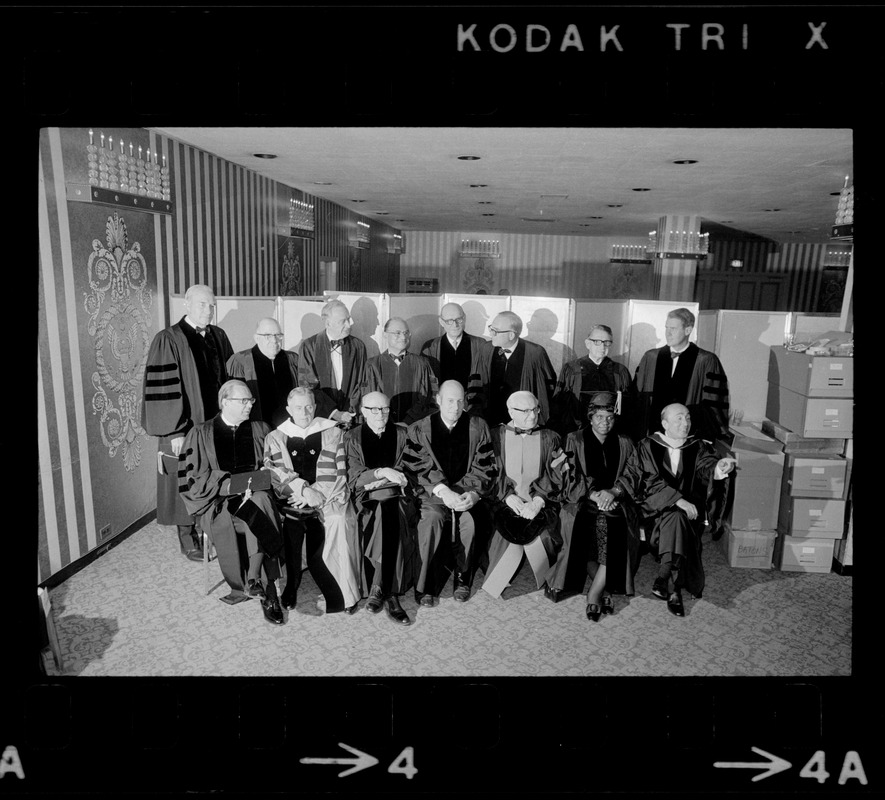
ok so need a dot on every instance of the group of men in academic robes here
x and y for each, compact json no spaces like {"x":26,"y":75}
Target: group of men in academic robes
{"x":452,"y":469}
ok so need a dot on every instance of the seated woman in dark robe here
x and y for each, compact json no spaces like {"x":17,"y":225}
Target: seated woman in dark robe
{"x":600,"y":519}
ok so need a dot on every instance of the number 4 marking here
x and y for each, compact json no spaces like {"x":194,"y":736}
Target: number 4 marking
{"x":851,"y":768}
{"x":404,"y":764}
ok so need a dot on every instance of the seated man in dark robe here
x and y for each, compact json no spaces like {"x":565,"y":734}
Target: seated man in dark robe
{"x":451,"y":456}
{"x":269,"y":371}
{"x":459,"y":356}
{"x":213,"y":452}
{"x":306,"y":458}
{"x":526,"y":501}
{"x":184,"y":371}
{"x":385,"y":505}
{"x":406,"y":378}
{"x":679,"y":472}
{"x":333,"y":364}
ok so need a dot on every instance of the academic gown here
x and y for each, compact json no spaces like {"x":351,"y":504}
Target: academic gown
{"x":699,"y":383}
{"x":673,"y":532}
{"x":436,"y":557}
{"x":201,"y":485}
{"x":570,"y":571}
{"x":571,"y":399}
{"x":549,"y":486}
{"x":386,"y":527}
{"x":340,"y":553}
{"x":173,"y":403}
{"x":241,"y":365}
{"x":315,"y":372}
{"x":536,"y":375}
{"x":474,"y":392}
{"x":411,"y":386}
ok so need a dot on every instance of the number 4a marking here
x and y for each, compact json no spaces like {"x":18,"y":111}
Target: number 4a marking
{"x":404,"y":764}
{"x":851,"y":768}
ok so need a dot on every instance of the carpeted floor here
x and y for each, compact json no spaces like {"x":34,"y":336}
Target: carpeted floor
{"x":141,"y":610}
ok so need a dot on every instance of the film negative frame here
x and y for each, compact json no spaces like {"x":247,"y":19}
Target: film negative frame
{"x":436,"y":735}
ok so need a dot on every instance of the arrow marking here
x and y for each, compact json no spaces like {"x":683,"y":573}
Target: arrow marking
{"x":772,"y":766}
{"x":362,"y":760}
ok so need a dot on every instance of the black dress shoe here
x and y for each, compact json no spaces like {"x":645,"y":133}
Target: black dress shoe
{"x":674,"y":604}
{"x":462,"y":593}
{"x":554,"y":595}
{"x":194,"y":555}
{"x":352,"y":609}
{"x":659,"y":588}
{"x":608,"y":605}
{"x":376,"y":599}
{"x":395,"y":611}
{"x":254,"y":588}
{"x":290,"y":599}
{"x":427,"y":601}
{"x":593,"y":612}
{"x":272,"y":610}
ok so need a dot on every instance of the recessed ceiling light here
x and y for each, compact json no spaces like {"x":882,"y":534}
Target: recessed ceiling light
{"x":726,"y":221}
{"x":835,"y":194}
{"x":686,"y":161}
{"x":642,"y":190}
{"x":399,"y":220}
{"x":264,"y":155}
{"x":468,"y":158}
{"x":478,"y":185}
{"x":322,"y":183}
{"x":772,"y":209}
{"x":594,"y":217}
{"x":615,"y":205}
{"x":484,"y":202}
{"x":585,"y":225}
{"x":357,"y":201}
{"x":381,"y":213}
{"x":488,"y":214}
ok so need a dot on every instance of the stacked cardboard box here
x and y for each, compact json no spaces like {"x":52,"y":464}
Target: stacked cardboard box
{"x":754,"y":495}
{"x":810,"y":409}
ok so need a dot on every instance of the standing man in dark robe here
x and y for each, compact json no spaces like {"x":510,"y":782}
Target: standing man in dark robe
{"x":516,"y":365}
{"x":305,"y":455}
{"x":682,"y":372}
{"x":527,"y":494}
{"x":406,"y":378}
{"x":385,"y":505}
{"x":451,"y":457}
{"x":184,"y":371}
{"x":459,"y":356}
{"x":679,"y":472}
{"x":581,"y":380}
{"x":214,"y":452}
{"x":333,"y":364}
{"x":269,"y":371}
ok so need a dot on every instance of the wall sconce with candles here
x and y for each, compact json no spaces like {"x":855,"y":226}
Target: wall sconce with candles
{"x":629,"y":254}
{"x":843,"y":229}
{"x":360,"y":236}
{"x":397,"y":244}
{"x":301,"y":219}
{"x":480,"y":248}
{"x":122,"y":180}
{"x":678,"y":244}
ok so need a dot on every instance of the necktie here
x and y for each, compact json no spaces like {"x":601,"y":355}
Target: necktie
{"x":674,"y":355}
{"x":336,"y":343}
{"x":397,"y":360}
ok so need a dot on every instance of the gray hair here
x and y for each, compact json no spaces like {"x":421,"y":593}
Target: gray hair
{"x":298,"y":391}
{"x":332,"y":304}
{"x":227,"y":389}
{"x":514,"y":320}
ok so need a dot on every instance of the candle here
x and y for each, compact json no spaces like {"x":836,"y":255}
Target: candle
{"x":164,"y":160}
{"x":102,"y":140}
{"x":111,"y":143}
{"x":130,"y":149}
{"x":148,"y":155}
{"x":139,"y":151}
{"x":121,"y":146}
{"x":90,"y":136}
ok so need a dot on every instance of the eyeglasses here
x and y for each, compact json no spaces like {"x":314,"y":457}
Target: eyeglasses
{"x":602,"y":342}
{"x":495,"y":331}
{"x":377,"y":409}
{"x":398,"y":334}
{"x":526,"y":410}
{"x":277,"y":336}
{"x":452,"y":321}
{"x":243,"y":401}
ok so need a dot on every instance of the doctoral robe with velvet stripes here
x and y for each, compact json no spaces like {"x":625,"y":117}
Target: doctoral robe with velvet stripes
{"x":175,"y":399}
{"x":341,"y":553}
{"x":699,"y":383}
{"x":316,"y":372}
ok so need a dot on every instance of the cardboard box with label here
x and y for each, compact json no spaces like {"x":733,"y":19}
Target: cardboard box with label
{"x":815,"y":517}
{"x":803,"y":555}
{"x":748,"y":549}
{"x":812,"y":376}
{"x":805,"y":476}
{"x":755,"y":486}
{"x":811,"y":417}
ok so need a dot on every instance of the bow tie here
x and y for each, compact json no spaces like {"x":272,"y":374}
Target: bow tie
{"x":397,"y":360}
{"x":675,"y":355}
{"x":504,"y":352}
{"x":522,"y":431}
{"x":336,"y":343}
{"x":201,"y":329}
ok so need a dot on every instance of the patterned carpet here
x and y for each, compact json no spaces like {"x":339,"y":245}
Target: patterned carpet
{"x":141,"y":610}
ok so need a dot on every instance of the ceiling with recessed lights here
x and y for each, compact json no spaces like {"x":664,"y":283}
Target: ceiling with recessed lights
{"x":777,"y":183}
